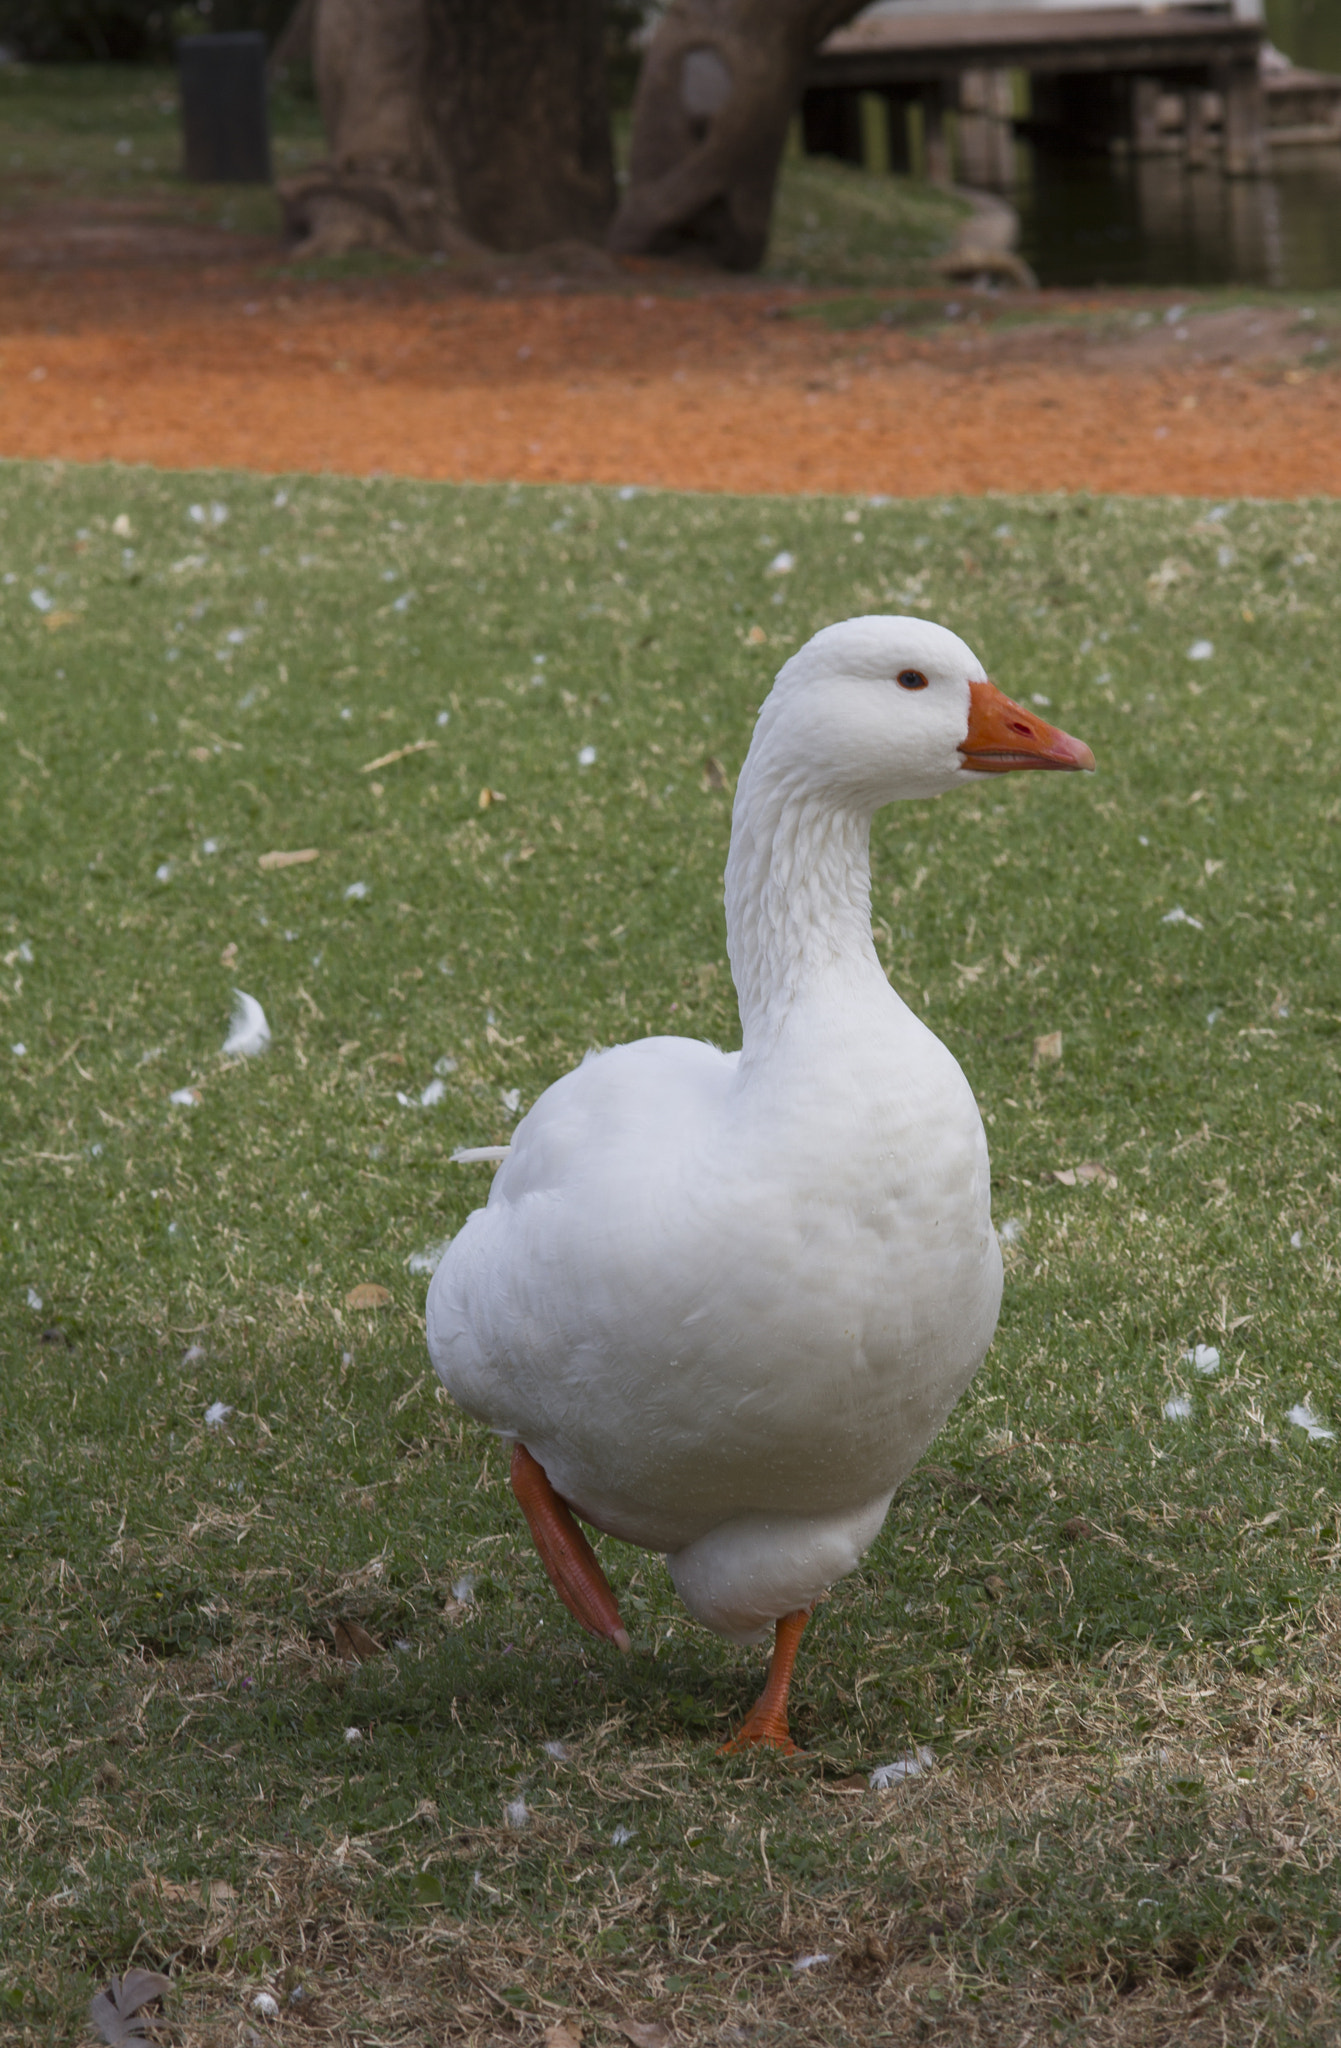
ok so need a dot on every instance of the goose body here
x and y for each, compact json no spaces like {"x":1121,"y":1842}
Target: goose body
{"x":726,"y":1299}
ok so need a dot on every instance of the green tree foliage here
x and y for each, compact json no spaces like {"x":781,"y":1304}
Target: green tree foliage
{"x":136,"y":31}
{"x":124,"y":31}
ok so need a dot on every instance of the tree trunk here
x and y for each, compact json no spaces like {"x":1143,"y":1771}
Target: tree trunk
{"x":457,"y":127}
{"x":517,"y":89}
{"x":388,"y":182}
{"x":719,"y":86}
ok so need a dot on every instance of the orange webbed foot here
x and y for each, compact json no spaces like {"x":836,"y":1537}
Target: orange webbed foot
{"x":765,"y":1726}
{"x":573,"y":1566}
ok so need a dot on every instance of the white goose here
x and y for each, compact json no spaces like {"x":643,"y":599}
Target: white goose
{"x":720,"y":1303}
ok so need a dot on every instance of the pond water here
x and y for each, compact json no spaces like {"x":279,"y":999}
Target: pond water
{"x":1091,"y":220}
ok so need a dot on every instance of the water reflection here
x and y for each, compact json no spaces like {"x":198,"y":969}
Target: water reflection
{"x":1090,"y":220}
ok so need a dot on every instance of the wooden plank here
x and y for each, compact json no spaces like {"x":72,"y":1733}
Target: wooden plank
{"x":889,"y":50}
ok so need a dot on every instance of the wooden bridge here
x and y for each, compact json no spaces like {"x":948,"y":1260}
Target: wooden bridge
{"x":1097,"y":75}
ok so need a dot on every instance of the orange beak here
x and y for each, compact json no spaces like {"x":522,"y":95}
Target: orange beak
{"x":1002,"y":736}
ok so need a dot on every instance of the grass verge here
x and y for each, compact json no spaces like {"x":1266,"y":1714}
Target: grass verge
{"x":836,"y":225}
{"x":502,"y":720}
{"x":110,"y":135}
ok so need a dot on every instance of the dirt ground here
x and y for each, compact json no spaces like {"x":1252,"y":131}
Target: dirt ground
{"x":123,"y":340}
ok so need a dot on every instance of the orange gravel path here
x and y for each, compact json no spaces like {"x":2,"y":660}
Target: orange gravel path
{"x":710,"y":392}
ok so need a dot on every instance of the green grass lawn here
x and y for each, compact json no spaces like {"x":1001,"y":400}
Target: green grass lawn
{"x":1103,"y":1605}
{"x":835,"y":225}
{"x":110,"y":134}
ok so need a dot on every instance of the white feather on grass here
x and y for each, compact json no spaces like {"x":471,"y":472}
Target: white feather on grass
{"x":429,"y":1259}
{"x":249,"y":1033}
{"x":918,"y":1760}
{"x":469,"y":1155}
{"x":1302,"y":1416}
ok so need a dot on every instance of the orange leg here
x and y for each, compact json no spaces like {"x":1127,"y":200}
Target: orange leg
{"x":573,"y":1566}
{"x":766,"y":1722}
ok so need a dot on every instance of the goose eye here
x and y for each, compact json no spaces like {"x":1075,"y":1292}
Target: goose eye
{"x":912,"y":679}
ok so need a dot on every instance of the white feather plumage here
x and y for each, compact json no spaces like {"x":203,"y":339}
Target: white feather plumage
{"x":248,"y":1033}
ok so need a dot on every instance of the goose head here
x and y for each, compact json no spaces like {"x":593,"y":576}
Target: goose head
{"x":881,"y":708}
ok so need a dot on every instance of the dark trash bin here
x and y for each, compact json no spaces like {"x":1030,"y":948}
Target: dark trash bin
{"x":225,"y":118}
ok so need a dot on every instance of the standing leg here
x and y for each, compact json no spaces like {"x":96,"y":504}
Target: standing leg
{"x":766,"y":1722}
{"x":573,"y":1566}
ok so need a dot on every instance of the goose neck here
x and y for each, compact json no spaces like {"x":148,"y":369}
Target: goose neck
{"x":798,"y":901}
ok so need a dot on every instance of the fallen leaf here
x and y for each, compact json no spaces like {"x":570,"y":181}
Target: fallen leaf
{"x":857,"y":1782}
{"x":398,"y":754}
{"x":1090,"y":1171}
{"x":353,"y":1644}
{"x":1170,"y":571}
{"x":113,"y":2011}
{"x":755,"y":637}
{"x":867,"y":1957}
{"x":996,"y":1586}
{"x":300,"y":859}
{"x":1048,"y":1047}
{"x":212,"y":1892}
{"x":644,"y":2033}
{"x":199,"y":754}
{"x":228,"y":957}
{"x":369,"y":1295}
{"x":714,"y":775}
{"x":564,"y":2035}
{"x":490,"y":797}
